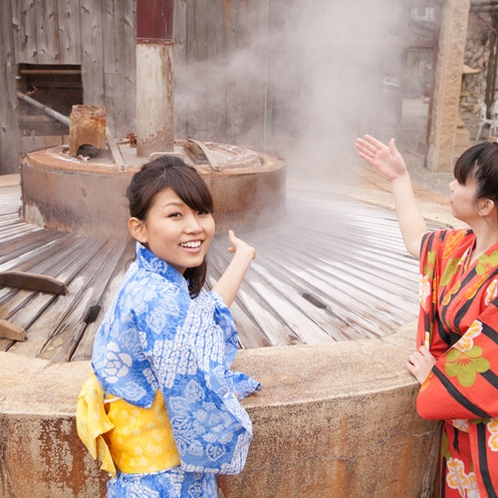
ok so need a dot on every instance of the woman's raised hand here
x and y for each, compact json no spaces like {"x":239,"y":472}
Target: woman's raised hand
{"x":239,"y":246}
{"x":385,"y":158}
{"x":229,"y":283}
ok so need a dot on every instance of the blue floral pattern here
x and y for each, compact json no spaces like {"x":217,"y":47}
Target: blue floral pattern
{"x":155,"y":337}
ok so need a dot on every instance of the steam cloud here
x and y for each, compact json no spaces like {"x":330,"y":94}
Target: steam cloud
{"x":323,"y":66}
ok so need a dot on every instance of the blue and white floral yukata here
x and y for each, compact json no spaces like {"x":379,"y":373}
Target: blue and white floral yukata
{"x":156,"y":338}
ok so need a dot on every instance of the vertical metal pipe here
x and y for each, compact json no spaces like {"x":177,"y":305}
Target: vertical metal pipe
{"x":155,"y":20}
{"x":155,"y":76}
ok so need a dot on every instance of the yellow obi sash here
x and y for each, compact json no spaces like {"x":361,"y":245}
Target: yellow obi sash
{"x":133,"y":439}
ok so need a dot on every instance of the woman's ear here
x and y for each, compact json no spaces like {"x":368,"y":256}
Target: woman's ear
{"x":486,"y":207}
{"x":138,"y":230}
{"x":491,"y":207}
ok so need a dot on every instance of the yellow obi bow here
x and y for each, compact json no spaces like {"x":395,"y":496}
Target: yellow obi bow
{"x":133,"y":439}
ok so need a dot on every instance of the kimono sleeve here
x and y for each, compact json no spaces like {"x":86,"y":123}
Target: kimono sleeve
{"x":428,"y":330}
{"x":212,"y":431}
{"x":464,"y":381}
{"x":240,"y":383}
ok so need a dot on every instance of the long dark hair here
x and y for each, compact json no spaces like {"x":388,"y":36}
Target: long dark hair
{"x":480,"y":161}
{"x":171,"y":172}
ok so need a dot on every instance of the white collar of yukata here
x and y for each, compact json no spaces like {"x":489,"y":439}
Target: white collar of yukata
{"x":148,"y":260}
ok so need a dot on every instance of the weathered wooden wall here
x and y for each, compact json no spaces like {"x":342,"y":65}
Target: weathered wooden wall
{"x":220,"y":55}
{"x":219,"y":96}
{"x":9,"y":134}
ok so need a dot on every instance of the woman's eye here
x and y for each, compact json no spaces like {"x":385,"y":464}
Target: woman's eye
{"x":174,"y":215}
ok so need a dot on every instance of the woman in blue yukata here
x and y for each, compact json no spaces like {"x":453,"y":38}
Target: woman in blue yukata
{"x":161,"y":408}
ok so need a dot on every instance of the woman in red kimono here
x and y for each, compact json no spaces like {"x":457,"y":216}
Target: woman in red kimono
{"x":456,"y":361}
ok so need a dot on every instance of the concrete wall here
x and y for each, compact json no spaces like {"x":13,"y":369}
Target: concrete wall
{"x":332,"y":421}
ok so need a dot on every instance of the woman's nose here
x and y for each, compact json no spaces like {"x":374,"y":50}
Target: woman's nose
{"x":193,"y":225}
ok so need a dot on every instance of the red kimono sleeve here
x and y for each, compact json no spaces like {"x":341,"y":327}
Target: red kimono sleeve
{"x":464,"y":381}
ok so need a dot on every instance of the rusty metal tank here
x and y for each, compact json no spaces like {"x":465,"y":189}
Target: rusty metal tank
{"x":86,"y":195}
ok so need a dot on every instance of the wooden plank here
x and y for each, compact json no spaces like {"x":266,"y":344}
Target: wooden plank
{"x":9,"y":220}
{"x":317,"y":306}
{"x":291,"y":299}
{"x":356,"y":299}
{"x":246,"y":78}
{"x":11,"y":332}
{"x":359,"y":272}
{"x":196,"y":90}
{"x":339,"y":278}
{"x":331,"y":270}
{"x":22,"y":242}
{"x":47,"y":32}
{"x":249,"y":333}
{"x":129,"y":69}
{"x":342,"y":314}
{"x":114,"y":45}
{"x":255,"y":322}
{"x":69,"y":31}
{"x":15,"y":28}
{"x":267,"y":322}
{"x":27,"y":50}
{"x":298,"y":314}
{"x":92,"y":52}
{"x":23,"y":307}
{"x":215,"y":62}
{"x":27,"y":260}
{"x":40,"y":142}
{"x":378,"y":263}
{"x":32,"y":281}
{"x":64,"y":339}
{"x":83,"y":350}
{"x":7,"y":213}
{"x":13,"y":229}
{"x":10,"y":143}
{"x":45,"y":325}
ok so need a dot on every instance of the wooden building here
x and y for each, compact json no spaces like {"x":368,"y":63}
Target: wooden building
{"x":65,"y":52}
{"x":243,"y":68}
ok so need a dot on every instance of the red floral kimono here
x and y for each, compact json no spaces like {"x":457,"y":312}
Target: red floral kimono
{"x":458,"y":322}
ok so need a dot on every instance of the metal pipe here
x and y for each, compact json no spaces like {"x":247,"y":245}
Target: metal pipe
{"x":47,"y":110}
{"x":155,"y":20}
{"x":50,"y":71}
{"x":155,"y":76}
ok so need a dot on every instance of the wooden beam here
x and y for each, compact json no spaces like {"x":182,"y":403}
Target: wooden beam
{"x":32,"y":281}
{"x":11,"y":332}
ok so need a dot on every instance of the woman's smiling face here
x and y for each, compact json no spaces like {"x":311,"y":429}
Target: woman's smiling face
{"x":175,"y":232}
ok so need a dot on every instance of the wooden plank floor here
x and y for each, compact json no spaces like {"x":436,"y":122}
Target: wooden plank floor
{"x":334,"y":269}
